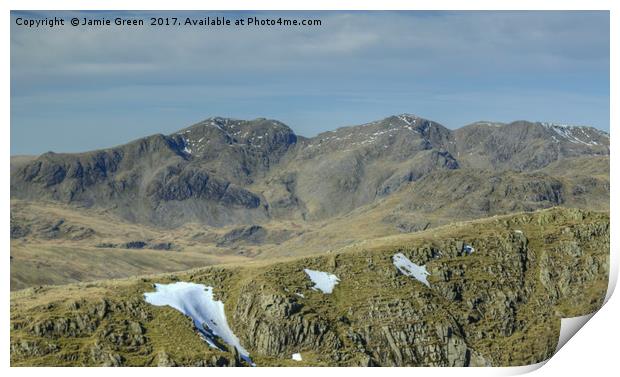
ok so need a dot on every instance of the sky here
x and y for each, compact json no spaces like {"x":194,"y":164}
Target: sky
{"x":82,"y":88}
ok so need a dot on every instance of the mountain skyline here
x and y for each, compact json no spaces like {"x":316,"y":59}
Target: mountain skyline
{"x":224,"y":171}
{"x":334,"y":129}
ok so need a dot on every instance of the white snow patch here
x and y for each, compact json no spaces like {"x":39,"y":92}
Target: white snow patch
{"x":196,"y":301}
{"x":296,"y":357}
{"x":300,"y":294}
{"x":216,"y":125}
{"x":409,"y":120}
{"x":323,"y":281}
{"x":407,"y":267}
{"x":468,"y":249}
{"x":569,"y":132}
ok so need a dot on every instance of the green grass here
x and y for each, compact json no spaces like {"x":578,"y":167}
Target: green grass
{"x":519,"y":311}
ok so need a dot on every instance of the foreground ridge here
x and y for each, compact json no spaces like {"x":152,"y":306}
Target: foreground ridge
{"x":528,"y":271}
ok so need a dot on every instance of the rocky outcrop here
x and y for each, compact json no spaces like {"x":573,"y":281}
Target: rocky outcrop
{"x":497,"y":291}
{"x":253,"y":234}
{"x":469,"y":301}
{"x":274,"y":325}
{"x":138,"y":245}
{"x":48,"y":229}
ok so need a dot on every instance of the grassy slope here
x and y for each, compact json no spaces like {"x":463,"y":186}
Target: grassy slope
{"x":71,"y":257}
{"x":368,"y":280}
{"x":464,"y":196}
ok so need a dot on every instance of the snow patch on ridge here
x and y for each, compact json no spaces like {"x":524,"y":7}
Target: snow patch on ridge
{"x":407,"y":267}
{"x":468,"y":249}
{"x":574,"y":134}
{"x":323,"y":281}
{"x":408,"y":119}
{"x":196,"y":301}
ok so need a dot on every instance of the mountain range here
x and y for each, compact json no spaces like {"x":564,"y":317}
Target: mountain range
{"x":398,"y":242}
{"x":222,"y":171}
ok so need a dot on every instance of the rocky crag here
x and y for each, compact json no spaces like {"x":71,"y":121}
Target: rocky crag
{"x":225,"y":171}
{"x":497,"y":290}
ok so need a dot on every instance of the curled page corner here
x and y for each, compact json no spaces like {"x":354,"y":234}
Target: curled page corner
{"x":569,"y":327}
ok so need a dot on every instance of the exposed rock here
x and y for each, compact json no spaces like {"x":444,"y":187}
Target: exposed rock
{"x":500,"y":305}
{"x":164,"y":360}
{"x":135,"y":245}
{"x":214,"y":172}
{"x":253,"y":234}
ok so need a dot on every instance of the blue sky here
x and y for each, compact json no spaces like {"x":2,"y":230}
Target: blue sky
{"x":77,"y":89}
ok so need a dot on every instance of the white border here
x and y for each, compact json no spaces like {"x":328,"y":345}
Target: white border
{"x":595,"y":349}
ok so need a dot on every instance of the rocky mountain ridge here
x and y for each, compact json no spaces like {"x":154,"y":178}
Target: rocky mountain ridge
{"x":223,"y":171}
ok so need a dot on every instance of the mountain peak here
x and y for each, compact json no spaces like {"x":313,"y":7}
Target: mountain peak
{"x":564,"y":126}
{"x":576,"y":134}
{"x":410,"y":119}
{"x":217,"y":132}
{"x":236,"y":126}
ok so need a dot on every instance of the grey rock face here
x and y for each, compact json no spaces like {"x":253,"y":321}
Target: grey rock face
{"x":225,"y":171}
{"x":498,"y":305}
{"x":525,"y":146}
{"x":451,"y":323}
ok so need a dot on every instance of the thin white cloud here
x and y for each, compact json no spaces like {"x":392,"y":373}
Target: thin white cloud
{"x":356,"y":65}
{"x":556,"y":40}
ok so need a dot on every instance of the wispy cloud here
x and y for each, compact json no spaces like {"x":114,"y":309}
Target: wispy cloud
{"x":356,"y":65}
